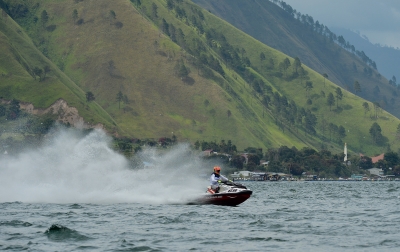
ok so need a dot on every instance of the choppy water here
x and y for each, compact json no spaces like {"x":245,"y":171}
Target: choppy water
{"x":76,"y":194}
{"x":299,"y":216}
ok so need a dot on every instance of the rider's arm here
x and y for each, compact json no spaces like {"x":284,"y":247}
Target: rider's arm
{"x":222,"y":178}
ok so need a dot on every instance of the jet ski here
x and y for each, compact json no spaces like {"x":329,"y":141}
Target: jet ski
{"x":229,"y":194}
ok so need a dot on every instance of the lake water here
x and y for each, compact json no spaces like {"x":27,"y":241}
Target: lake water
{"x":75,"y":193}
{"x":299,"y":216}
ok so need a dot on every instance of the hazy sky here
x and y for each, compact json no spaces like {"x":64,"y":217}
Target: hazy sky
{"x":379,"y":20}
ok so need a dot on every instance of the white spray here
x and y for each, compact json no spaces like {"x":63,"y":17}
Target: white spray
{"x":76,"y":168}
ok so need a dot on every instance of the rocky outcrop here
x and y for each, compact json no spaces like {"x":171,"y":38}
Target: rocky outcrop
{"x":66,"y":114}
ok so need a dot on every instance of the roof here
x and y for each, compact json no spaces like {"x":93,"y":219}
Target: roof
{"x":377,"y":158}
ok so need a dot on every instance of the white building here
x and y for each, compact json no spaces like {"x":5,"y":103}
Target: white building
{"x":241,"y":174}
{"x":376,"y":171}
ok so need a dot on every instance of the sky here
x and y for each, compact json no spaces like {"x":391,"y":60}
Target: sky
{"x":378,"y":20}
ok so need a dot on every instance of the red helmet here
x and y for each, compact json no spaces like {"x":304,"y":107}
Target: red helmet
{"x":217,"y":169}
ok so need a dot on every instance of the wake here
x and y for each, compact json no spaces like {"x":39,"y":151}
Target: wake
{"x":72,"y":167}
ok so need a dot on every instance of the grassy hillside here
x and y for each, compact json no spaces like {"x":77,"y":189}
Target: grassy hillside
{"x":351,"y":114}
{"x":112,"y":48}
{"x":19,"y":57}
{"x":275,"y":27}
{"x":104,"y":58}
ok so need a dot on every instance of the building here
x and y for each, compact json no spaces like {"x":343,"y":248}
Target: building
{"x":376,"y":171}
{"x":357,"y":177}
{"x":241,"y":175}
{"x":208,"y":152}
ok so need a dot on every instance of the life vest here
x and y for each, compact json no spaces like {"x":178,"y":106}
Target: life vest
{"x":215,"y":174}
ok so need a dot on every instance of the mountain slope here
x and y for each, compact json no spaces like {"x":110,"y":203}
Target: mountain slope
{"x":112,"y":48}
{"x":18,"y":59}
{"x":275,"y":27}
{"x":105,"y":59}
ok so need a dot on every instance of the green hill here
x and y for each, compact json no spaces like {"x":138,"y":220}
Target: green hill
{"x":177,"y":70}
{"x":299,"y":35}
{"x":18,"y":59}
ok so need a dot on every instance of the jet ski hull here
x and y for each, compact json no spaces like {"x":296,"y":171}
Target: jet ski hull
{"x":225,"y":199}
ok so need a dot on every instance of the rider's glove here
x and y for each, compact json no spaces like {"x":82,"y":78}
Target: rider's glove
{"x":219,"y":181}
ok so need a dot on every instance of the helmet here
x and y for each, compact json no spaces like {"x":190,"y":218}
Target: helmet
{"x":217,"y":169}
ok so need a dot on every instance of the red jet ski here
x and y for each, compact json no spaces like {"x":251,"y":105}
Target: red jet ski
{"x":229,"y":194}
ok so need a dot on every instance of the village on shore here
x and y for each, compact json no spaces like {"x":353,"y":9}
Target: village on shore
{"x":372,"y":174}
{"x":376,"y":174}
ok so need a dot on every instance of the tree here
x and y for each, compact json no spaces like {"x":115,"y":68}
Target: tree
{"x":330,"y":101}
{"x":37,"y":72}
{"x":262,"y":56}
{"x":75,"y":15}
{"x":170,"y":4}
{"x":13,"y":110}
{"x":366,"y":107}
{"x":302,"y":73}
{"x":137,"y":2}
{"x":339,"y":96}
{"x":90,"y":96}
{"x":237,"y":161}
{"x":112,"y":16}
{"x":391,"y":158}
{"x":45,"y":17}
{"x":296,"y":64}
{"x":357,"y":86}
{"x":154,"y":8}
{"x":181,"y":70}
{"x":325,"y":77}
{"x":376,"y":132}
{"x":229,"y":113}
{"x":197,"y":145}
{"x":333,"y":128}
{"x":253,"y":161}
{"x":393,"y":81}
{"x":310,"y":121}
{"x":308,"y":87}
{"x":376,"y":108}
{"x":165,"y":27}
{"x":341,"y":132}
{"x":365,"y":163}
{"x":286,"y":64}
{"x":120,"y":97}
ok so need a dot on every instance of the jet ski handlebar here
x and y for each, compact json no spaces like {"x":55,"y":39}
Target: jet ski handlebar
{"x":231,"y":183}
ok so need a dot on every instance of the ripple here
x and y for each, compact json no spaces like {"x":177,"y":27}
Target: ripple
{"x":15,"y":223}
{"x":393,"y":189}
{"x":320,"y":216}
{"x":264,"y":239}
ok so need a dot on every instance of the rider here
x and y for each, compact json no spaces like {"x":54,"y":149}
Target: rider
{"x":216,"y":178}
